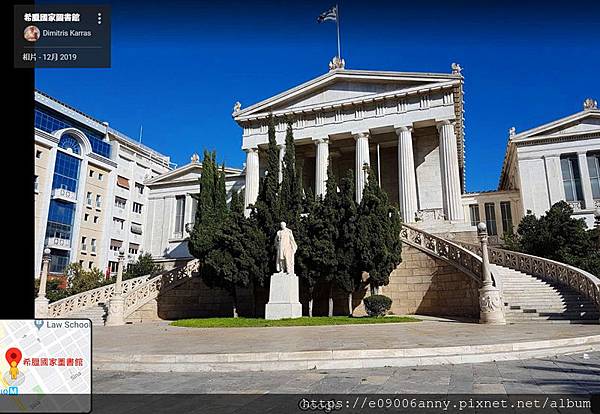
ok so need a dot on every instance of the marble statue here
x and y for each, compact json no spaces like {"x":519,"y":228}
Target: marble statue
{"x":286,"y":249}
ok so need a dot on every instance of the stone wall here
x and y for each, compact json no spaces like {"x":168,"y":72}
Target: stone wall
{"x":421,"y":284}
{"x":425,"y":285}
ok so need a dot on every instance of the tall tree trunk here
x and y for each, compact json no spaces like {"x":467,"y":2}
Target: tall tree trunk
{"x":234,"y":297}
{"x":310,"y":305}
{"x":350,"y":304}
{"x":330,"y":311}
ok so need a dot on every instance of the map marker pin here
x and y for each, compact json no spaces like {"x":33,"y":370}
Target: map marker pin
{"x":13,"y":354}
{"x":38,"y":323}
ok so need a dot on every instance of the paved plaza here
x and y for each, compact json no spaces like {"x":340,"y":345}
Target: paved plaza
{"x":575,"y":374}
{"x":161,"y":338}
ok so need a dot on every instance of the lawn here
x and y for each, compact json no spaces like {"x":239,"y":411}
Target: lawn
{"x":304,"y":321}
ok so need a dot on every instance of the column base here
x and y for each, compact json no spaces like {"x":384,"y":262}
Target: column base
{"x":491,"y":308}
{"x":41,"y":307}
{"x":116,"y":307}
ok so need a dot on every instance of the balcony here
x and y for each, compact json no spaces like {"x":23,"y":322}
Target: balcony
{"x":576,"y":205}
{"x":58,"y":243}
{"x":64,"y":195}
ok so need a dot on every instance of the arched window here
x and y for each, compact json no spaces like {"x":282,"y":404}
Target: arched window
{"x":69,"y":142}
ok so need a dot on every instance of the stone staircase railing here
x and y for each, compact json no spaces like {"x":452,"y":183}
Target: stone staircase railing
{"x":456,"y":255}
{"x":143,"y":293}
{"x":64,"y":307}
{"x":577,"y":279}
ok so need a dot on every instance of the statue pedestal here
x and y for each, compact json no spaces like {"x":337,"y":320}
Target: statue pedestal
{"x":284,"y":300}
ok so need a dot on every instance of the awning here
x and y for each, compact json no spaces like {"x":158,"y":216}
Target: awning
{"x":122,"y":182}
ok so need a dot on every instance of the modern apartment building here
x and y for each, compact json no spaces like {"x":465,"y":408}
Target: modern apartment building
{"x":90,"y":197}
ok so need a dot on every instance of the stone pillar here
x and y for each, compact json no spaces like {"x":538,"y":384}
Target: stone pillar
{"x":252,"y":178}
{"x":116,"y":305}
{"x":451,"y":192}
{"x":41,"y":302}
{"x":407,"y":191}
{"x":491,"y":308}
{"x":321,"y":164}
{"x":362,"y":158}
{"x":281,"y":156}
{"x":586,"y":184}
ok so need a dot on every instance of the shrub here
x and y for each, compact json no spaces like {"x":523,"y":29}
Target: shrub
{"x":143,"y":266}
{"x":377,"y":305}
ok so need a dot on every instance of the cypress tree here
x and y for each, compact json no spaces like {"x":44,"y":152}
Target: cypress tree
{"x":348,"y":275}
{"x":326,"y":235}
{"x":290,"y":197}
{"x":265,"y":211}
{"x":305,"y":267}
{"x":378,"y":235}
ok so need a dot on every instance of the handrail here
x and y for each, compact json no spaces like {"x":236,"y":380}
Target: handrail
{"x":458,"y":256}
{"x":579,"y":280}
{"x":159,"y":284}
{"x":90,"y":298}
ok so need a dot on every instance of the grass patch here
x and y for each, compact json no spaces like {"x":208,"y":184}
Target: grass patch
{"x":304,"y":321}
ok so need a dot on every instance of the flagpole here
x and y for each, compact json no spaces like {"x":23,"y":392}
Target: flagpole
{"x":337,"y":23}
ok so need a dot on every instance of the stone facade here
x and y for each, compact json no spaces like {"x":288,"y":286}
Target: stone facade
{"x":428,"y":286}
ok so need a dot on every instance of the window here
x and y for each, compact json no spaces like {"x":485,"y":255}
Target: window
{"x":137,"y":208}
{"x":571,"y":178}
{"x":179,"y":211}
{"x":475,"y":218}
{"x":93,"y":245}
{"x":115,"y":245}
{"x":86,"y":216}
{"x":83,"y":245}
{"x":95,"y":219}
{"x":91,"y":173}
{"x":59,"y":259}
{"x":593,"y":161}
{"x":118,"y":223}
{"x":113,"y":266}
{"x":98,"y":201}
{"x":136,"y":228}
{"x":81,"y":263}
{"x":490,"y":219}
{"x":69,"y":143}
{"x":90,"y":265}
{"x":100,"y":177}
{"x":507,"y":225}
{"x":88,"y":199}
{"x":122,"y":182}
{"x":134,"y":248}
{"x":140,"y":188}
{"x":120,"y":202}
{"x":38,"y":154}
{"x":66,"y":172}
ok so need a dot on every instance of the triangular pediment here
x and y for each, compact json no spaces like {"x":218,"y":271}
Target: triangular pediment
{"x":187,"y":173}
{"x":583,"y":122}
{"x":344,"y":86}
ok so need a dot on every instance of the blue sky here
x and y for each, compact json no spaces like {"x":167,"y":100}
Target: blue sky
{"x":177,"y":69}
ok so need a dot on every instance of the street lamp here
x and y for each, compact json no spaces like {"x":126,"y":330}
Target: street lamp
{"x":116,"y":306}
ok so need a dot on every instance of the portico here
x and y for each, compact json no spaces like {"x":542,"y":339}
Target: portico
{"x":407,"y":127}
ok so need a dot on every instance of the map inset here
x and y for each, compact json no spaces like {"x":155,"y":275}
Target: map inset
{"x":45,"y":365}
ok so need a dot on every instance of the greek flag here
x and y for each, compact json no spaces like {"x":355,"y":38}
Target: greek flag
{"x":330,"y":14}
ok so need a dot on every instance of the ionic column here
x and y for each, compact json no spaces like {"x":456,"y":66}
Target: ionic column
{"x":407,"y":191}
{"x":281,"y":156}
{"x":321,"y":166}
{"x":451,"y":193}
{"x":586,"y":184}
{"x":362,"y":158}
{"x":252,"y":178}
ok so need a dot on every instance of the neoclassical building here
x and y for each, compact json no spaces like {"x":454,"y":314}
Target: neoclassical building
{"x":557,"y":161}
{"x":408,"y":127}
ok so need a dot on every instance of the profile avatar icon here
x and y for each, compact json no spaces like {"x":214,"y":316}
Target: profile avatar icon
{"x":31,"y":33}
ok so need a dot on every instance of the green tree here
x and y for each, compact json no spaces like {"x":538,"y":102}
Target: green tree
{"x":378,"y":244}
{"x":558,"y":236}
{"x":290,"y":195}
{"x":144,"y":265}
{"x":305,"y":267}
{"x":348,"y":274}
{"x":266,"y":209}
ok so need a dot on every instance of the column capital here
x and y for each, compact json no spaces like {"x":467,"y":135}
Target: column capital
{"x":250,"y":150}
{"x":403,"y":128}
{"x":444,"y":122}
{"x":318,"y":141}
{"x":359,"y":135}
